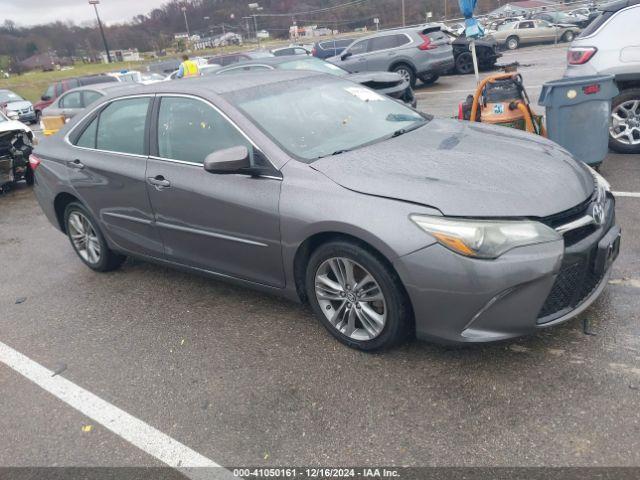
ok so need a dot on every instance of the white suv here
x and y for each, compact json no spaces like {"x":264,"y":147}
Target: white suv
{"x":611,"y":45}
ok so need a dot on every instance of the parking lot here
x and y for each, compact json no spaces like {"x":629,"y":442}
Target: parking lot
{"x":240,"y":378}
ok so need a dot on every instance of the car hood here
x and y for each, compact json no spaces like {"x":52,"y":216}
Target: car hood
{"x":467,"y":170}
{"x":18,"y":105}
{"x":385,"y":82}
{"x":13,"y":126}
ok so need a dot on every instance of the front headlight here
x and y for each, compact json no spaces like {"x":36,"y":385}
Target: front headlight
{"x":485,"y":238}
{"x":602,"y":185}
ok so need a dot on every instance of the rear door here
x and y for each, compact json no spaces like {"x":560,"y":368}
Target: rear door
{"x":527,"y":32}
{"x":107,"y":169}
{"x":383,"y":50}
{"x":228,"y":224}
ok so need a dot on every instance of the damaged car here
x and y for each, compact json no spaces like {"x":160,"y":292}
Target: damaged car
{"x":16,"y":145}
{"x":389,"y":222}
{"x":391,"y":84}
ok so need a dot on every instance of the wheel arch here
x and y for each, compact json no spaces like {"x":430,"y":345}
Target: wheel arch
{"x":315,"y":240}
{"x":60,"y":204}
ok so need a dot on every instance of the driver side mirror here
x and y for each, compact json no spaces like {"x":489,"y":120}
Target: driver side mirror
{"x":45,"y":98}
{"x":228,"y":160}
{"x":345,"y":55}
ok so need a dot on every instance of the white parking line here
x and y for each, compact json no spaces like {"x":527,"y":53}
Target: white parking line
{"x":135,"y":431}
{"x":627,"y":194}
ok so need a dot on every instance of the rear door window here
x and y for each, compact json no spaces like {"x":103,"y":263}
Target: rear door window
{"x":383,"y":43}
{"x":524,"y":25}
{"x":121,"y":126}
{"x":90,"y":96}
{"x":71,"y":100}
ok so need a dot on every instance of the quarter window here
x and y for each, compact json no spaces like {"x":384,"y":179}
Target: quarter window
{"x":121,"y":126}
{"x":189,"y":130}
{"x":90,"y":96}
{"x":524,"y":25}
{"x":88,"y":137}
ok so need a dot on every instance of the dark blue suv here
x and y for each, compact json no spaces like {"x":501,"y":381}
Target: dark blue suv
{"x":330,"y":48}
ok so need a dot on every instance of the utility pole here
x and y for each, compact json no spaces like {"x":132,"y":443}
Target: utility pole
{"x":104,"y":38}
{"x":445,"y":9}
{"x":258,"y":8}
{"x":404,"y":23}
{"x":186,"y":22}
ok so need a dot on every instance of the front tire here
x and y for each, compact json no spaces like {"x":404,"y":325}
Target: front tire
{"x":88,"y":241}
{"x":407,"y":73}
{"x":624,"y":128}
{"x":429,"y":78}
{"x":568,"y":37}
{"x":357,"y":296}
{"x":513,"y":43}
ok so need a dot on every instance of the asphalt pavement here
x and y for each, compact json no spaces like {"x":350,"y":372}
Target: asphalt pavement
{"x":242,"y":378}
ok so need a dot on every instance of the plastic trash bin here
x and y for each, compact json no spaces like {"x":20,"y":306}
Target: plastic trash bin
{"x":578,"y":111}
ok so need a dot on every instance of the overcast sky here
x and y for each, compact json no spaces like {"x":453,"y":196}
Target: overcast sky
{"x":31,"y":12}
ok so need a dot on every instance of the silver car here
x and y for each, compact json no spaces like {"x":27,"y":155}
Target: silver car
{"x":388,"y":222}
{"x":603,"y":49}
{"x":422,"y":52}
{"x":512,"y":35}
{"x":69,"y":104}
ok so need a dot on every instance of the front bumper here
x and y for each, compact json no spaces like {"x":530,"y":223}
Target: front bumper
{"x":464,"y":300}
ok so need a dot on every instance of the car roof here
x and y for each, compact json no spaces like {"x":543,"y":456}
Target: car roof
{"x":619,"y":5}
{"x":273,"y":61}
{"x":220,"y":85}
{"x":105,"y":88}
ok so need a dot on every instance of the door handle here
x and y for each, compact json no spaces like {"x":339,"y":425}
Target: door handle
{"x":77,"y":164}
{"x":159,"y":182}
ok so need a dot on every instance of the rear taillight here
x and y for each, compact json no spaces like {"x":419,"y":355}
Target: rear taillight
{"x":580,"y":55}
{"x":427,"y":43}
{"x":34,"y":162}
{"x":591,"y":89}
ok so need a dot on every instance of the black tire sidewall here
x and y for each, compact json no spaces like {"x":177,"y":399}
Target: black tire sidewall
{"x":615,"y":145}
{"x":517,"y":43}
{"x":106,"y":256}
{"x":398,"y":308}
{"x":568,"y":37}
{"x":464,"y":58}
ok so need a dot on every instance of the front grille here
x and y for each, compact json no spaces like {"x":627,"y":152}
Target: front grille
{"x":574,"y":284}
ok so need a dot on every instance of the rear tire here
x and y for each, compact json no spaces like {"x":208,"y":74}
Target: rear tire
{"x":88,"y":241}
{"x":464,"y":63}
{"x":29,"y":177}
{"x":624,"y":118}
{"x":407,"y":72}
{"x":513,"y":43}
{"x":429,"y":78}
{"x":367,"y":308}
{"x":568,"y":37}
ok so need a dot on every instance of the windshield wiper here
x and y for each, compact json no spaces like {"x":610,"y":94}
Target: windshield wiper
{"x":337,"y":152}
{"x":402,"y":131}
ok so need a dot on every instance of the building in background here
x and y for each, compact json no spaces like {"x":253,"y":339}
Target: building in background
{"x":130,"y":55}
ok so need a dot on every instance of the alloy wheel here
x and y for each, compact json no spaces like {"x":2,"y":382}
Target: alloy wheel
{"x":84,"y":238}
{"x":406,"y":74}
{"x":350,"y":298}
{"x":625,"y":123}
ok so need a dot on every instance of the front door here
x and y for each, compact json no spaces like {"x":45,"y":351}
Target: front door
{"x":356,"y":59}
{"x":107,"y":168}
{"x":228,"y":224}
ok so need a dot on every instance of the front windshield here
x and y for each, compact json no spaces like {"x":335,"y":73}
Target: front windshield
{"x":313,"y":64}
{"x":324,"y":116}
{"x":6,"y":96}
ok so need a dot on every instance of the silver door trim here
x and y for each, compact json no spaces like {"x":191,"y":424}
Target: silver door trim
{"x":209,"y":233}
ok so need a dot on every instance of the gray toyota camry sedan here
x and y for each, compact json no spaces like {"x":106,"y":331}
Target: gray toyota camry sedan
{"x":390,"y":223}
